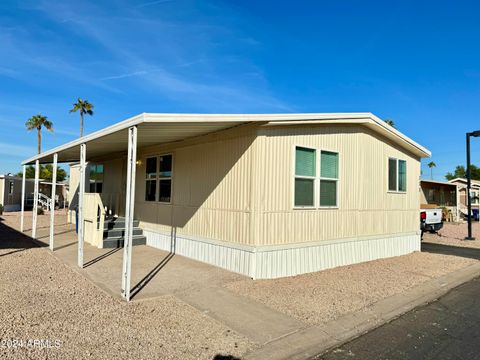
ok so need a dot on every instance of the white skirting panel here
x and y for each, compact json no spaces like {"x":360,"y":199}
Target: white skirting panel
{"x":297,"y":260}
{"x":232,"y":258}
{"x":269,"y":262}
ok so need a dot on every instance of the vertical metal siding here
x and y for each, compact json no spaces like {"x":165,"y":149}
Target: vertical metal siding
{"x":365,"y":206}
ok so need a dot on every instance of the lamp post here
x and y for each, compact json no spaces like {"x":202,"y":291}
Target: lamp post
{"x":469,"y":184}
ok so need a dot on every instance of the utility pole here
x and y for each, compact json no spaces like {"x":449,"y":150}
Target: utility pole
{"x":469,"y":184}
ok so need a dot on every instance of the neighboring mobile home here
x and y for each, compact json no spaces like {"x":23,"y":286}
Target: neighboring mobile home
{"x":474,"y":194}
{"x":11,"y":191}
{"x":266,"y":195}
{"x":441,"y":194}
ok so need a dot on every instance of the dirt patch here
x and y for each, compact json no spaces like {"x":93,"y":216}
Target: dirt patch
{"x":45,"y":300}
{"x":454,"y":234}
{"x":323,"y":296}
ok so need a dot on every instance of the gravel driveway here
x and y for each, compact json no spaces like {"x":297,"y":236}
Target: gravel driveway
{"x":45,"y":300}
{"x":319,"y":297}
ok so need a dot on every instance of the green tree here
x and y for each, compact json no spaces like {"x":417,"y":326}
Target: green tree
{"x":390,"y":122}
{"x":460,"y":172}
{"x":37,"y":122}
{"x":46,"y":173}
{"x":84,"y":108}
{"x":431,"y":165}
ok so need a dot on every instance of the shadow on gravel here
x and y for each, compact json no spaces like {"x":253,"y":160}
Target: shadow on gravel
{"x":225,"y":357}
{"x":470,"y":253}
{"x":13,"y":239}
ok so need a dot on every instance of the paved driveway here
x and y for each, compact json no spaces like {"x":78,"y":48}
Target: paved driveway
{"x":445,"y":329}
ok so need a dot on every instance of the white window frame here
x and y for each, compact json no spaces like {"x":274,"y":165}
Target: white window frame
{"x":157,"y":195}
{"x":95,"y":181}
{"x":316,"y":179}
{"x":11,"y":187}
{"x":157,"y":178}
{"x":329,"y":179}
{"x":397,"y":191}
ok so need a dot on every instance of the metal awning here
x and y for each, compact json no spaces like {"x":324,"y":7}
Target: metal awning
{"x":156,"y":129}
{"x":151,"y":131}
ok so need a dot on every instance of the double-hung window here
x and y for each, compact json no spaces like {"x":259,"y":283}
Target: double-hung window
{"x":158,"y":178}
{"x":397,"y":175}
{"x":96,"y":178}
{"x":316,"y":178}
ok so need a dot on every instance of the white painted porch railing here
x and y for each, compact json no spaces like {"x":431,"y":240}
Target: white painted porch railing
{"x":94,"y":219}
{"x":45,"y":201}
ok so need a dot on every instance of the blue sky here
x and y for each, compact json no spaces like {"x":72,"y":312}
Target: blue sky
{"x":415,"y":62}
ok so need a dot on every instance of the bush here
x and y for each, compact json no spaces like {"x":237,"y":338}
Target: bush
{"x":40,"y":211}
{"x":1,"y":209}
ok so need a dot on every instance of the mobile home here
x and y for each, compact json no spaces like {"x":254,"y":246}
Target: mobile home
{"x":267,"y":195}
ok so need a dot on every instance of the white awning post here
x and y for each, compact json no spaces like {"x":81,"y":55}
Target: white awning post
{"x":23,"y":197}
{"x":52,"y":203}
{"x":81,"y":193}
{"x":129,"y":211}
{"x":35,"y":200}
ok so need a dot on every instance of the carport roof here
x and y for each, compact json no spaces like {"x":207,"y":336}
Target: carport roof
{"x":164,"y":128}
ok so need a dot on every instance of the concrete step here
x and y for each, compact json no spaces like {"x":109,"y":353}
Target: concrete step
{"x":118,"y":223}
{"x":119,"y":241}
{"x":113,"y":233}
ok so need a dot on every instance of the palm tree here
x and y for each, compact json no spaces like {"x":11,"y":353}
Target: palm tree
{"x":37,"y":122}
{"x":84,"y":107}
{"x":431,"y":165}
{"x":390,"y":122}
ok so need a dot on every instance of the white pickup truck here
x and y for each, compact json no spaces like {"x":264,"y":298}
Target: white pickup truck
{"x":431,"y":220}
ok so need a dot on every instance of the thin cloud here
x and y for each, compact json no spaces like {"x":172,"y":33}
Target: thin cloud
{"x":152,"y":3}
{"x":16,"y":150}
{"x":122,"y":76}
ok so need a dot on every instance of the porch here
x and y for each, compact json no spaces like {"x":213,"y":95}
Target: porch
{"x":154,"y":272}
{"x":122,"y":142}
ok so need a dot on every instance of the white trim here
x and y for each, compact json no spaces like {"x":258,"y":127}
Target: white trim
{"x":367,"y":119}
{"x":397,"y":191}
{"x":158,"y":178}
{"x":317,"y":179}
{"x":268,"y":262}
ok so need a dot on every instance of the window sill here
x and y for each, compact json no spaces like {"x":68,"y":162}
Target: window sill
{"x":396,"y":192}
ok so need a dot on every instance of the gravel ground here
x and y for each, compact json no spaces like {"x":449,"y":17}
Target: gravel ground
{"x":44,"y":299}
{"x":319,"y":297}
{"x":454,"y":234}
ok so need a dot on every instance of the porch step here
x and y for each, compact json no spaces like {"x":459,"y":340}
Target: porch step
{"x":116,"y":242}
{"x":114,"y":233}
{"x":118,"y":223}
{"x":117,"y":232}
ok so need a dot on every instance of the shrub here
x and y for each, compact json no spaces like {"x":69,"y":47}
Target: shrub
{"x":1,"y":209}
{"x":40,"y":211}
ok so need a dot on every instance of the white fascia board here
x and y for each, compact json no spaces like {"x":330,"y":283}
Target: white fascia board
{"x":135,"y":120}
{"x":356,"y":118}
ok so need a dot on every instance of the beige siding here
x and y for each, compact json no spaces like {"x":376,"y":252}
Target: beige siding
{"x":211,"y":187}
{"x":365,"y":206}
{"x":237,"y":186}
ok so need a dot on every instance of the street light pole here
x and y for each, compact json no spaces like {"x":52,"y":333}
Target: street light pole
{"x":469,"y":185}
